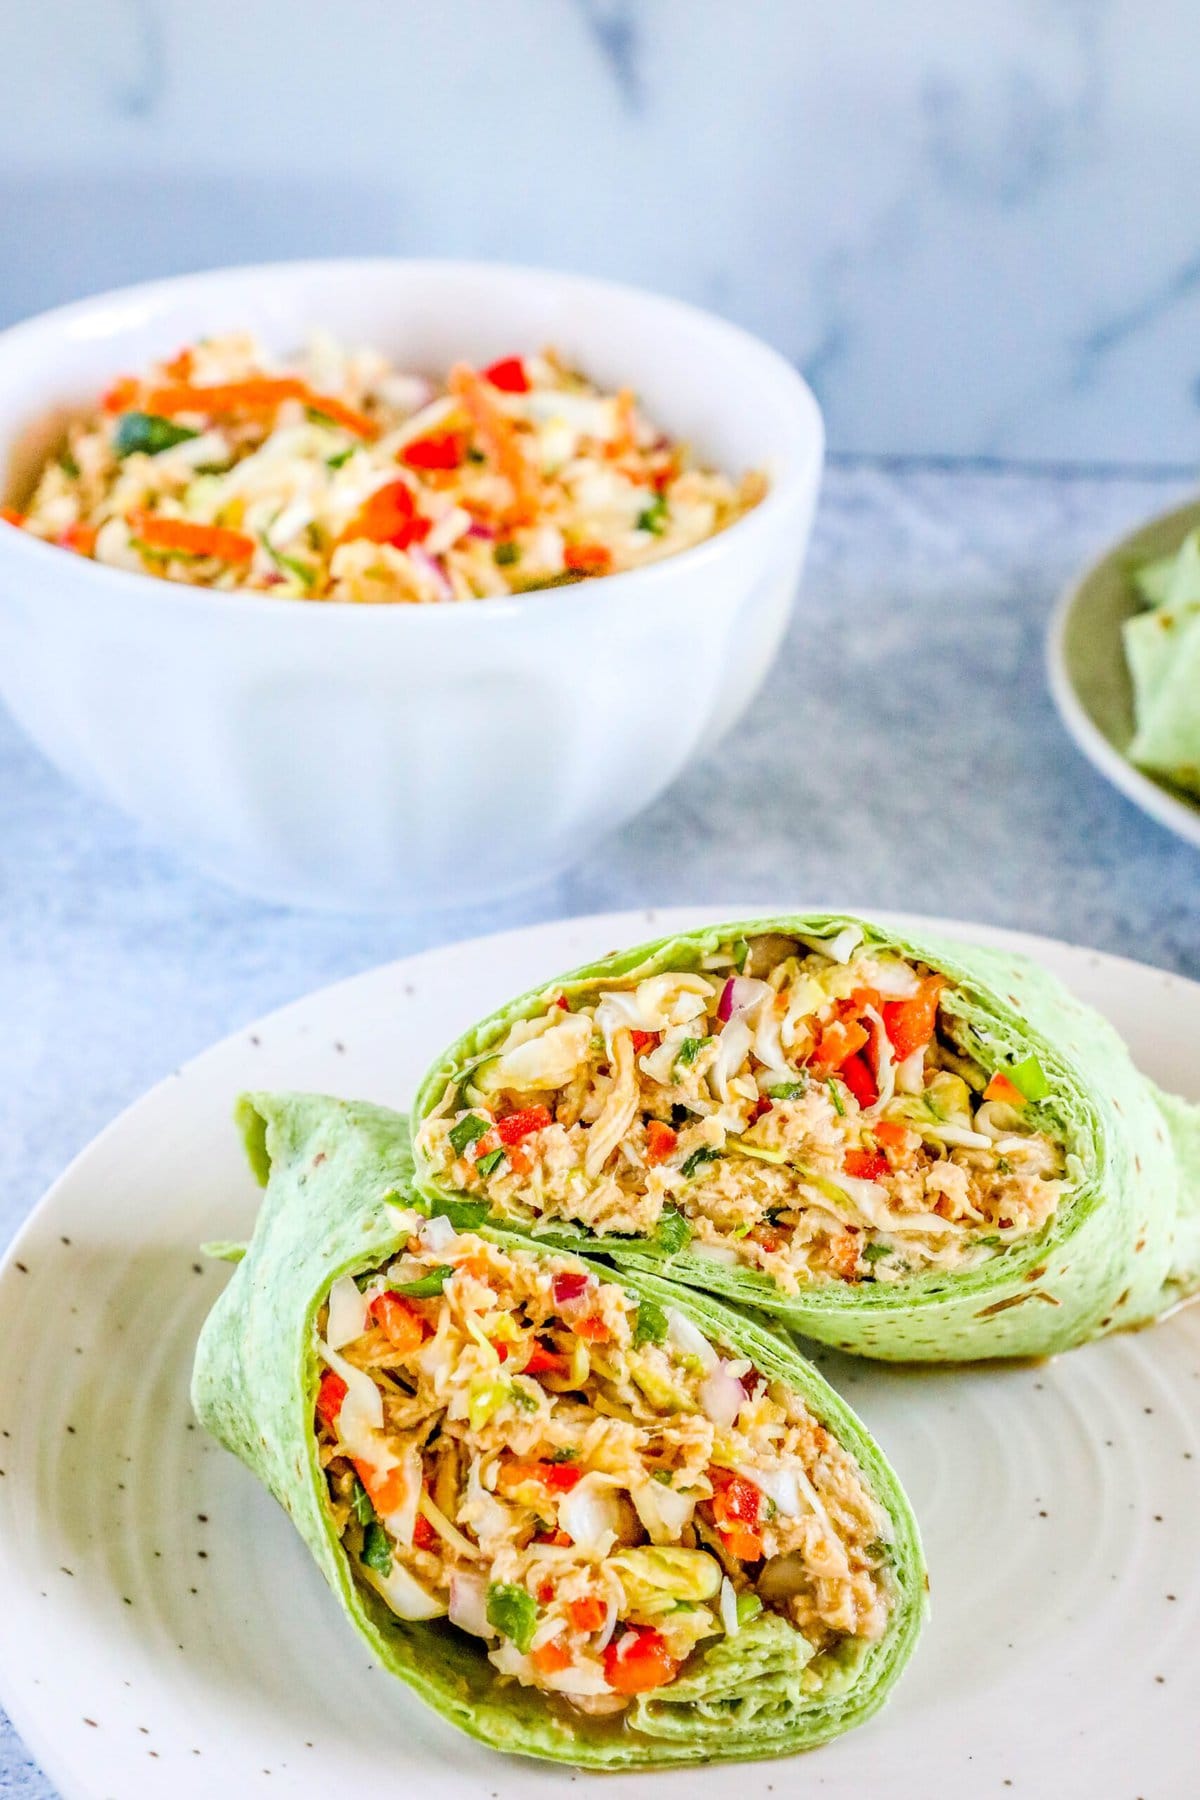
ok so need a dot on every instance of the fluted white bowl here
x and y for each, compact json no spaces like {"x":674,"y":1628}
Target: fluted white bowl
{"x":382,"y":757}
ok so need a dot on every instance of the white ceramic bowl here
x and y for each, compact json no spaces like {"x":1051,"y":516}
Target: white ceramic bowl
{"x":396,"y":756}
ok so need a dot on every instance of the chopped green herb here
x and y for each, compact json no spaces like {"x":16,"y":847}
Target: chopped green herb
{"x":289,"y":564}
{"x":1003,"y":1165}
{"x":741,"y":1231}
{"x":654,"y":517}
{"x":475,"y":456}
{"x":562,"y":1456}
{"x":340,"y":458}
{"x":672,"y":1231}
{"x":789,"y":1090}
{"x":486,"y":1164}
{"x":507,"y":552}
{"x":465,"y":1214}
{"x":991,"y":1241}
{"x":705,"y":1154}
{"x":689,"y":1050}
{"x":1029,"y":1078}
{"x":146,"y":432}
{"x":467,"y":1131}
{"x":513,"y":1612}
{"x":741,"y":952}
{"x":650,"y":1327}
{"x":377,"y":1549}
{"x":873,"y":1253}
{"x":835,"y":1096}
{"x":748,"y":1607}
{"x":360,"y":1504}
{"x":663,"y":1475}
{"x":426,"y":1286}
{"x":879,"y":1550}
{"x":523,"y":1398}
{"x":68,"y":465}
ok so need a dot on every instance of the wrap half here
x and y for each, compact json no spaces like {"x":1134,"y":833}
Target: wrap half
{"x":911,"y":1150}
{"x":584,"y":1515}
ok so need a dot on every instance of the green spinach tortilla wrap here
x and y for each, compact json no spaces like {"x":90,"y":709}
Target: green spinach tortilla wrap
{"x":911,"y":1150}
{"x":584,"y":1515}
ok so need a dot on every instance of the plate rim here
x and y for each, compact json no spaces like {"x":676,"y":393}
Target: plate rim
{"x":26,"y":1720}
{"x":1178,"y":815}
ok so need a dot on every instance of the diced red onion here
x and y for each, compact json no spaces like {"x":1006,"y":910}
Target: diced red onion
{"x":476,"y":530}
{"x":468,"y":1604}
{"x":568,"y":1287}
{"x":740,"y":994}
{"x":721,"y":1396}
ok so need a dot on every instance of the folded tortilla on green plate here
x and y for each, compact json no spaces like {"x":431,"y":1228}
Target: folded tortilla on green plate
{"x":586,"y":1516}
{"x":911,"y":1150}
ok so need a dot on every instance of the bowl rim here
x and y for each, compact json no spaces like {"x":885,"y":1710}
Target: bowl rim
{"x":802,"y":469}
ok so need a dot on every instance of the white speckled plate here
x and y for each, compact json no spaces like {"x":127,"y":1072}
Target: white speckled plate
{"x":164,"y":1634}
{"x":1089,"y":678}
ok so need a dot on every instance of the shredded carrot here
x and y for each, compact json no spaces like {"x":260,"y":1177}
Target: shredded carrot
{"x":259,"y":393}
{"x":184,"y":537}
{"x":499,"y":439}
{"x":121,"y":395}
{"x":387,"y":1487}
{"x":593,"y":1330}
{"x":348,"y":417}
{"x":180,"y":367}
{"x":11,"y":516}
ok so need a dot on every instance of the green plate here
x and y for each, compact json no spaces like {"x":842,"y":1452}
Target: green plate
{"x":1088,"y":675}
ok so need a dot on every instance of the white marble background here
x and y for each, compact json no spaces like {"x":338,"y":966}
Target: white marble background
{"x":974,"y":224}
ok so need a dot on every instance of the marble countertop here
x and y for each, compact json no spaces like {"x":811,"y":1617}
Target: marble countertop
{"x":904,"y":753}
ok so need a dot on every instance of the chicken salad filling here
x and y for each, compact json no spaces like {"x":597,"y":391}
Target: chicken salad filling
{"x":335,"y":475}
{"x":578,"y":1478}
{"x":814,"y":1109}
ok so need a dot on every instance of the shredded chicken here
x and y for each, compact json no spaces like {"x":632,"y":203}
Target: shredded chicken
{"x":578,"y":1478}
{"x":824,"y":1120}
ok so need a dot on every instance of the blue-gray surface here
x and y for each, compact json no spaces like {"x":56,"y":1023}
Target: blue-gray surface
{"x":904,"y":754}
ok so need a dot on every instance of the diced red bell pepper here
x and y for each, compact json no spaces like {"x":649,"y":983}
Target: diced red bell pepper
{"x":735,"y":1501}
{"x":560,"y":1478}
{"x":642,"y":1040}
{"x":521,"y":1124}
{"x":388,"y":516}
{"x":593,"y":1330}
{"x":911,"y":1023}
{"x":660,"y":1141}
{"x":762,"y":1106}
{"x":1001,"y":1088}
{"x":424,"y":1536}
{"x":440,"y":450}
{"x":638,"y":1660}
{"x":891,"y":1133}
{"x":330,"y":1395}
{"x":551,"y":1657}
{"x":839,"y":1040}
{"x":399,"y":1319}
{"x":11,"y":516}
{"x":568,"y":1286}
{"x":856,"y":1073}
{"x":866,"y":1165}
{"x":79,"y":537}
{"x":508,"y":375}
{"x":544,"y":1361}
{"x":588,"y":559}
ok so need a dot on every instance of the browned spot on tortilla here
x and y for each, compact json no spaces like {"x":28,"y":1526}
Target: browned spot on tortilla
{"x":999,"y":1306}
{"x":1036,"y":1274}
{"x":1140,"y":1245}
